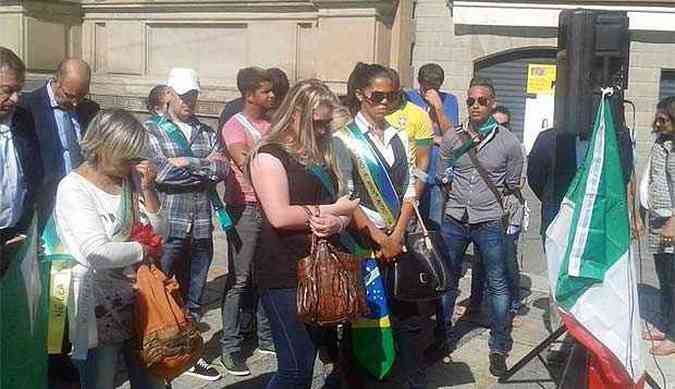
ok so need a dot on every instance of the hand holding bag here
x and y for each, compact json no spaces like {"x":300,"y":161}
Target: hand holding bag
{"x":330,"y":285}
{"x":421,"y":273}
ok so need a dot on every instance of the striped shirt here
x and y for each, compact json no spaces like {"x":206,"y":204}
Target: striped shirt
{"x":183,"y":191}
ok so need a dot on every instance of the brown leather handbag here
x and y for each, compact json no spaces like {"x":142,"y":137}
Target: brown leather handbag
{"x":330,"y":286}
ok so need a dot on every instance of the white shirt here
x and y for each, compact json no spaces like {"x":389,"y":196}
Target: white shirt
{"x":86,"y":223}
{"x":13,"y":186}
{"x":385,"y":148}
{"x":185,"y":128}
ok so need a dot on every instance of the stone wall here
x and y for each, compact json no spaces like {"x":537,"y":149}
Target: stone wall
{"x":131,"y":45}
{"x":42,"y":33}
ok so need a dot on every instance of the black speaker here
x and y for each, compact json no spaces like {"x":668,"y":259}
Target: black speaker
{"x":593,"y":52}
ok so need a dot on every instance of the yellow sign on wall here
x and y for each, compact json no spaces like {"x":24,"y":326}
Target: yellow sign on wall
{"x":541,"y":79}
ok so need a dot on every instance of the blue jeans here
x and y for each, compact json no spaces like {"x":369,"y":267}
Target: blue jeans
{"x":100,"y":368}
{"x":189,"y":259}
{"x":512,"y":266}
{"x":665,"y":270}
{"x":489,"y":238}
{"x":295,"y":342}
{"x":238,"y":285}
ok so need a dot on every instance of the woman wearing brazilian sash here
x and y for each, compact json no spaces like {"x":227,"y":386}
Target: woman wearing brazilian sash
{"x":373,"y":157}
{"x":95,"y":211}
{"x":288,"y":170}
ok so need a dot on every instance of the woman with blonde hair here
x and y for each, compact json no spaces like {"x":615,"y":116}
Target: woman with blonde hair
{"x":95,"y":212}
{"x":295,"y":204}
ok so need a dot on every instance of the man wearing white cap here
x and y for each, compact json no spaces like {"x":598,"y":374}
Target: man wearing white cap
{"x":191,"y":162}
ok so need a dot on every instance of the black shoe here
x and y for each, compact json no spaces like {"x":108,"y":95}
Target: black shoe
{"x":497,"y":364}
{"x":234,"y":364}
{"x":204,"y":370}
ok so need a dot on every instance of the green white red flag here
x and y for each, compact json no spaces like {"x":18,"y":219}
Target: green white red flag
{"x":591,"y":271}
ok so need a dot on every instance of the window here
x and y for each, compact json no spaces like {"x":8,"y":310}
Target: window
{"x":667,"y":84}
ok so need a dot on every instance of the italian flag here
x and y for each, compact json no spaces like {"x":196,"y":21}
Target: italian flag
{"x":591,"y":272}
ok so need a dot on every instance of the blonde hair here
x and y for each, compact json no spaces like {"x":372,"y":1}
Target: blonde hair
{"x":302,"y":143}
{"x":114,"y":132}
{"x":341,"y":117}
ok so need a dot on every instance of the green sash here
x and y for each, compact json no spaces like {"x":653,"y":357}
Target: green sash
{"x":178,"y":137}
{"x":346,"y":237}
{"x":485,"y":130}
{"x":373,"y":174}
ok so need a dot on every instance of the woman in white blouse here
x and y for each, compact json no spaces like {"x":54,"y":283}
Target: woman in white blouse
{"x":94,"y":215}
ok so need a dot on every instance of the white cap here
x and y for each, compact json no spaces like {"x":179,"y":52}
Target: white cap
{"x":183,"y":80}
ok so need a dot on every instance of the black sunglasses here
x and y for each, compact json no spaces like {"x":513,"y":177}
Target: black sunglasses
{"x":482,"y":101}
{"x":380,"y":97}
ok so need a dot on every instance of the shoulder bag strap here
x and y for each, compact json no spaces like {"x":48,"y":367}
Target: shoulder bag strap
{"x":484,"y":174}
{"x":250,"y":127}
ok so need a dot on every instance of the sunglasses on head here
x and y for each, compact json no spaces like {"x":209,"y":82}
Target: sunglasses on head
{"x":380,"y":97}
{"x":482,"y":101}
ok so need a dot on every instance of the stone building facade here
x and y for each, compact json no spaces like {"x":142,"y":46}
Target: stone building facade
{"x":131,"y":45}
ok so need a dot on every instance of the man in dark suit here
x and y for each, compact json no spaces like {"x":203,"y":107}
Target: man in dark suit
{"x":62,"y":114}
{"x":25,"y":364}
{"x":19,"y":155}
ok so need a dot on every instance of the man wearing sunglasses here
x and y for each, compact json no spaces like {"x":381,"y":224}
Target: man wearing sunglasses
{"x":486,"y":161}
{"x":519,"y":216}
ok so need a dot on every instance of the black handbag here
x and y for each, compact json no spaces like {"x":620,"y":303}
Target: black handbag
{"x":420,"y":273}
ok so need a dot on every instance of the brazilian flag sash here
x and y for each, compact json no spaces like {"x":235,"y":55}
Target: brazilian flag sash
{"x":372,"y":336}
{"x":373,"y":174}
{"x":179,"y":138}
